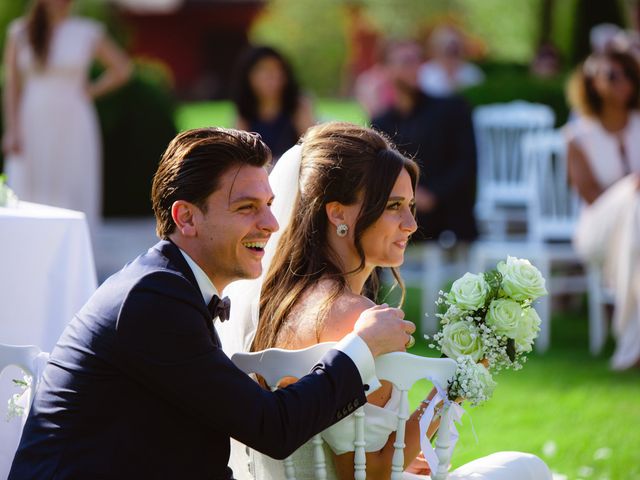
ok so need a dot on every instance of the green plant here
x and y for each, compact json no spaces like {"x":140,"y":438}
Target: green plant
{"x":507,"y":82}
{"x":137,"y":124}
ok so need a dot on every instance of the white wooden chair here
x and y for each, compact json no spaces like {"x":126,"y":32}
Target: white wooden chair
{"x":31,"y":361}
{"x":503,"y":182}
{"x":276,"y":364}
{"x":28,"y":358}
{"x":552,"y":215}
{"x":401,"y":369}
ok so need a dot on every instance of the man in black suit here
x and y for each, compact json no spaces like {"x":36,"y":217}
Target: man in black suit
{"x":138,"y":387}
{"x":438,"y":133}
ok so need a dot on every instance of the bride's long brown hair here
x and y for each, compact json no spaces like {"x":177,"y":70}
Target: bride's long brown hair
{"x":341,"y":162}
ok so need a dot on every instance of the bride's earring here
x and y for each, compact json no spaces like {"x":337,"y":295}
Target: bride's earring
{"x":342,"y":230}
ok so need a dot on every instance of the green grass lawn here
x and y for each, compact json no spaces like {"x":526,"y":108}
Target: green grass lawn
{"x":565,"y":406}
{"x":221,"y":113}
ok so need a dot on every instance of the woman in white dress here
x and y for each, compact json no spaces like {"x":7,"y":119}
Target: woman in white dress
{"x":52,"y":136}
{"x":353,"y":197}
{"x":604,"y":166}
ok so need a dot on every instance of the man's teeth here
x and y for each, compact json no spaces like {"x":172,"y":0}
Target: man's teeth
{"x":255,"y":244}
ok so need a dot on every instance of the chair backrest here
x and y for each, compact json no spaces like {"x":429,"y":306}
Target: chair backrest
{"x":25,"y":357}
{"x":554,"y":206}
{"x":401,"y":369}
{"x":499,"y":128}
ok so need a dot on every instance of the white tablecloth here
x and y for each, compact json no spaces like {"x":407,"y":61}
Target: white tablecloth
{"x":47,"y":273}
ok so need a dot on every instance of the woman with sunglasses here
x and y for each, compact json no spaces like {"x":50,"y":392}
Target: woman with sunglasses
{"x":604,"y":167}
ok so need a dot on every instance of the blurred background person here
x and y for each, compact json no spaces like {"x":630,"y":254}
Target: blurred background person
{"x":52,"y":135}
{"x":547,"y":62}
{"x":268,"y":100}
{"x":603,"y":36}
{"x":363,"y":40}
{"x":447,"y":71}
{"x":373,"y":90}
{"x":438,"y":133}
{"x":604,"y":167}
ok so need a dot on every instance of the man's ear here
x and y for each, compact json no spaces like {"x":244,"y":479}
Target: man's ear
{"x":183,"y":214}
{"x":335,"y":213}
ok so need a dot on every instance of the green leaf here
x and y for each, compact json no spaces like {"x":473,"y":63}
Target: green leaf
{"x":494,"y":279}
{"x":511,"y":349}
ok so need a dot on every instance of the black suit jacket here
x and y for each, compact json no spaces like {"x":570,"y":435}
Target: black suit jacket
{"x":138,"y":388}
{"x":438,"y":132}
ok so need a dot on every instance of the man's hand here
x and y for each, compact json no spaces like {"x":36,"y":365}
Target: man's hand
{"x":383,"y":329}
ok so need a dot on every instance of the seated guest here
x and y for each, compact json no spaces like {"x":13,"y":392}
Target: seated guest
{"x":447,"y":71}
{"x":604,"y":163}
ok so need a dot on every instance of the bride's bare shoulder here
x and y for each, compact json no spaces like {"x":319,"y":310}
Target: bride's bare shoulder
{"x":342,"y":315}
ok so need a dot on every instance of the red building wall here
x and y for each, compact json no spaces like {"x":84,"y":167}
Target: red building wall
{"x":199,"y":43}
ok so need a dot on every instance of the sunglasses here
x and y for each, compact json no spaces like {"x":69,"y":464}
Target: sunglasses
{"x":614,"y":76}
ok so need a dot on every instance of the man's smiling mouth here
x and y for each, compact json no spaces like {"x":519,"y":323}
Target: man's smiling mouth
{"x":255,"y":246}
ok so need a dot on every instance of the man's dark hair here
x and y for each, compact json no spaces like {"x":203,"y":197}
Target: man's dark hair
{"x":191,"y":167}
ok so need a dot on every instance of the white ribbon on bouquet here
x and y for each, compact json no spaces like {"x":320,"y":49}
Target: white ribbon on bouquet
{"x":455,"y":415}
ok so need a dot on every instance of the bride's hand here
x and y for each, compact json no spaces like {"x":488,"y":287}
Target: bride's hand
{"x":419,"y":466}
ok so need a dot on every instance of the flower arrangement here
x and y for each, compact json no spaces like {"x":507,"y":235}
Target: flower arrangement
{"x":488,"y":324}
{"x":15,"y":404}
{"x":7,"y":197}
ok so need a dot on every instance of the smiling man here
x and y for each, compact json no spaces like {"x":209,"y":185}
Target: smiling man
{"x":138,"y":386}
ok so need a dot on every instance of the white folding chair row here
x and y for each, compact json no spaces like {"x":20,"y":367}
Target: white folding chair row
{"x":399,"y":368}
{"x":553,"y":215}
{"x":553,"y":209}
{"x":503,"y":175}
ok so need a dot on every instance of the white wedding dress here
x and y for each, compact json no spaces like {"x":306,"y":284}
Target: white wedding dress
{"x":379,"y":424}
{"x":237,"y":334}
{"x":608,"y":231}
{"x":61,"y":150}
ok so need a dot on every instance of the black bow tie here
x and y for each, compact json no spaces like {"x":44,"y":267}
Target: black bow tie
{"x":220,"y":308}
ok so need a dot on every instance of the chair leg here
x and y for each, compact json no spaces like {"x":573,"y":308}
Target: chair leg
{"x":544,"y":309}
{"x":597,"y":326}
{"x":432,"y":267}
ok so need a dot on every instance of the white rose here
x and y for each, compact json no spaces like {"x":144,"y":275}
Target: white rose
{"x":521,"y":280}
{"x":482,"y":379}
{"x":462,"y":338}
{"x":504,"y":315}
{"x":527,"y":331}
{"x":469,"y":292}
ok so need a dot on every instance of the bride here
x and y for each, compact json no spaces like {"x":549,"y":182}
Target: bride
{"x":353,"y":197}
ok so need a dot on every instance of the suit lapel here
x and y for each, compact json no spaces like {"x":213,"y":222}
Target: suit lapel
{"x":178,"y":263}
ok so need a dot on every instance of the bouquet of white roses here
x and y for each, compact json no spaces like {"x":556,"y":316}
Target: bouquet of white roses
{"x":489,"y":324}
